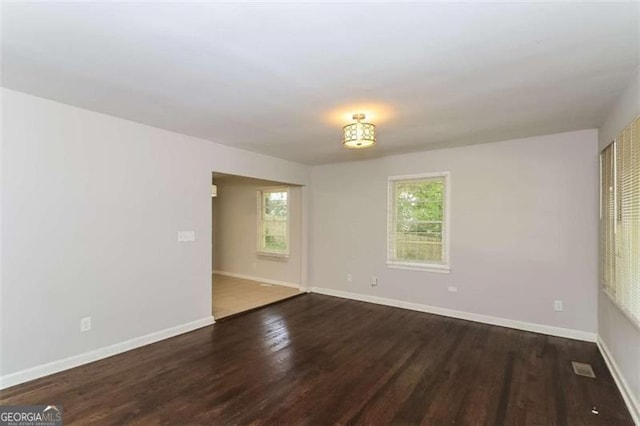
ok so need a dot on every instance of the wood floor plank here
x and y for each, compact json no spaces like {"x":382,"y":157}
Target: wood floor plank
{"x":316,"y":360}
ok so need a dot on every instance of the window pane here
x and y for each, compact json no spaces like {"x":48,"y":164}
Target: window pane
{"x":418,"y":220}
{"x":273,"y":226}
{"x":419,"y":251}
{"x":420,"y":190}
{"x":275,"y":243}
{"x":431,"y":211}
{"x":275,"y":204}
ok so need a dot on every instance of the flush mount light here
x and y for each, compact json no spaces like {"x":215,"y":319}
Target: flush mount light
{"x":358,"y":135}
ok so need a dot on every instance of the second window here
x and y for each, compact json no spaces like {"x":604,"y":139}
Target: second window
{"x":273,"y":221}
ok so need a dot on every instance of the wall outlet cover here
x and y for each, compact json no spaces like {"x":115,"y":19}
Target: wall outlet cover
{"x":85,"y":324}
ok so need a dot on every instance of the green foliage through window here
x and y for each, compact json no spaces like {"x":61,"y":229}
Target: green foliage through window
{"x":274,"y":217}
{"x":418,"y":220}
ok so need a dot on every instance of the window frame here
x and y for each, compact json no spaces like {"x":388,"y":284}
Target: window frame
{"x":281,"y":255}
{"x":441,"y":267}
{"x":612,"y":283}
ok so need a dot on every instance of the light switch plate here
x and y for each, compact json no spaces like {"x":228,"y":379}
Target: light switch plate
{"x":557,"y":305}
{"x":184,"y":236}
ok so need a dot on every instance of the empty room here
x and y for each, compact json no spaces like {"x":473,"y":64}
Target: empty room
{"x":256,"y":243}
{"x":340,"y":213}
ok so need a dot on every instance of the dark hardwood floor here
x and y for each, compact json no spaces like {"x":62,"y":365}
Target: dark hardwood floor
{"x":319,"y":360}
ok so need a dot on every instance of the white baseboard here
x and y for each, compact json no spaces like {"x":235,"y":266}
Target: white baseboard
{"x":260,"y":279}
{"x":486,"y":319}
{"x":629,"y":398}
{"x":97,"y":354}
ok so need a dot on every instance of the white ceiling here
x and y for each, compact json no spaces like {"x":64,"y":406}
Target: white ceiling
{"x":281,"y":79}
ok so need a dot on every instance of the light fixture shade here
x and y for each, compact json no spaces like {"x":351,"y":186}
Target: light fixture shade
{"x":359,"y":135}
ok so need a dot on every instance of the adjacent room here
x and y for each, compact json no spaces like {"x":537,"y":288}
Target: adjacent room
{"x":256,"y":243}
{"x":301,"y":213}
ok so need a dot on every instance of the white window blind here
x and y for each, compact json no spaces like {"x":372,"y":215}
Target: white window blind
{"x":418,"y":222}
{"x":273,"y":221}
{"x":620,"y":220}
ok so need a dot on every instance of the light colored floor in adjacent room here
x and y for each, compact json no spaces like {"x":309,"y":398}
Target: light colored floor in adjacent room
{"x":234,"y":295}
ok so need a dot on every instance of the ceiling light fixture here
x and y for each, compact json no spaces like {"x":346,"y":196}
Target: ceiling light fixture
{"x":359,"y":135}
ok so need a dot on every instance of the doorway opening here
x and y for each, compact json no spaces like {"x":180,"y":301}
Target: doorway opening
{"x":256,"y":243}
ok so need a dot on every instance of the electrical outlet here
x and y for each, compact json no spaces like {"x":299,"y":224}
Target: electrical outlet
{"x":557,"y":305}
{"x":85,"y":324}
{"x":374,"y":281}
{"x":452,"y":289}
{"x":349,"y":278}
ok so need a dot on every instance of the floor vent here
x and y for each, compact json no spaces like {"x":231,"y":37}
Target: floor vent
{"x":582,"y":369}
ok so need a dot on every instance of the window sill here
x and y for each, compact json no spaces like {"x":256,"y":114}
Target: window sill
{"x":280,"y":257}
{"x":635,"y":322}
{"x":441,"y":269}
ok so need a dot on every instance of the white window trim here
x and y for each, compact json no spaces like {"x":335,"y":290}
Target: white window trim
{"x":281,"y":256}
{"x":441,"y":267}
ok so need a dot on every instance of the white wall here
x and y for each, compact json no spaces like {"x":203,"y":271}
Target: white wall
{"x":615,"y":330}
{"x":91,"y":206}
{"x":235,"y":218}
{"x":523,"y":223}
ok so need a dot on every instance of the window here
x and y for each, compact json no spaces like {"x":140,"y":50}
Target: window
{"x":620,"y":221}
{"x":418,"y":223}
{"x":273,"y":222}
